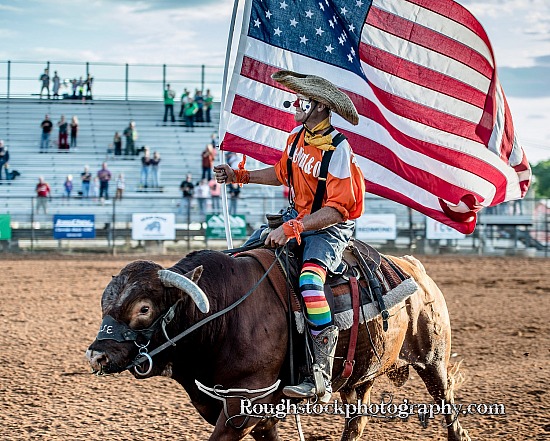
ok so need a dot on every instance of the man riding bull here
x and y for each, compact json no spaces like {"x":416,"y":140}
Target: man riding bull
{"x":326,"y":193}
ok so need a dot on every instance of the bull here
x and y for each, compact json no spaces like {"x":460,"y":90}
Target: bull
{"x":246,"y":347}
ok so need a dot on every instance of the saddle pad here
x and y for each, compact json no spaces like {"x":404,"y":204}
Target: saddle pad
{"x":394,"y":290}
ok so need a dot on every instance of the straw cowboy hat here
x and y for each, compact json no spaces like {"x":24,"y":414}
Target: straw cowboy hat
{"x":320,"y":90}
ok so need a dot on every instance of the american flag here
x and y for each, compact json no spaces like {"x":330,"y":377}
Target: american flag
{"x":435,"y":131}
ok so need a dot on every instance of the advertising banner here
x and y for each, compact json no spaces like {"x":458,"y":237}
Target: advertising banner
{"x":153,"y":226}
{"x":376,"y":227}
{"x":215,"y":227}
{"x":74,"y":226}
{"x":5,"y":227}
{"x":437,"y":230}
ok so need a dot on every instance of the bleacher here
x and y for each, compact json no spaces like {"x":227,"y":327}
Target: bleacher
{"x":98,"y":121}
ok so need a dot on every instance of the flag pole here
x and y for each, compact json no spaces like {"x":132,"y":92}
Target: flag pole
{"x":228,"y":237}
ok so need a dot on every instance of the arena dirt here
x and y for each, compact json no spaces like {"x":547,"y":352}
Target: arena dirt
{"x":50,"y":313}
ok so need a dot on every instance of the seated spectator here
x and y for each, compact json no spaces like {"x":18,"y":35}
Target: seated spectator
{"x":4,"y":159}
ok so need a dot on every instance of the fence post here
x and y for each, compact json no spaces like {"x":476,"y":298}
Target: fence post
{"x":9,"y":78}
{"x":202,"y":78}
{"x":163,"y":77}
{"x":546,"y":230}
{"x":189,"y":224}
{"x":113,"y":229}
{"x":87,"y":69}
{"x":32,"y":225}
{"x":126,"y":83}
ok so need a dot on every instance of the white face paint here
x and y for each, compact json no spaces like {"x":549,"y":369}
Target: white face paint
{"x":303,"y":106}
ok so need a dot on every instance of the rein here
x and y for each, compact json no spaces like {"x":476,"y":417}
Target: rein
{"x":144,"y":355}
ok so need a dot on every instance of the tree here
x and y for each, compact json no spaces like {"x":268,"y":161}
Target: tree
{"x":541,"y":171}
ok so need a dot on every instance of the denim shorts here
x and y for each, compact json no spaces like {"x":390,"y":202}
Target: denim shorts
{"x":324,"y":247}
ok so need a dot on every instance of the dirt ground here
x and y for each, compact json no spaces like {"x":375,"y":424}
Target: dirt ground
{"x":50,"y":313}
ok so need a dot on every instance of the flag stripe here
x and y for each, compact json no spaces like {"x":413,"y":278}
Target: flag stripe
{"x":428,"y":38}
{"x":416,"y":74}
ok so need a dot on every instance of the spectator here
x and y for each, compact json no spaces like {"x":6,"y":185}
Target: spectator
{"x":131,"y":135}
{"x":56,"y":84}
{"x":74,"y":84}
{"x":183,"y":101}
{"x":89,"y":82}
{"x":68,"y":186}
{"x":232,"y":159}
{"x":43,"y":193}
{"x":215,"y":194}
{"x":145,"y":165}
{"x":117,"y":142}
{"x":191,"y":108}
{"x":94,"y":190}
{"x":120,"y":186}
{"x":47,"y":127}
{"x":4,"y":159}
{"x":199,"y":99}
{"x":214,"y":140}
{"x":63,"y":133}
{"x":104,"y":176}
{"x":208,"y":100}
{"x":45,"y":78}
{"x":86,"y":178}
{"x":169,"y":96}
{"x":234,"y":193}
{"x":208,"y":156}
{"x":80,"y":88}
{"x":74,"y":131}
{"x":187,"y":189}
{"x":202,"y":194}
{"x":155,"y":170}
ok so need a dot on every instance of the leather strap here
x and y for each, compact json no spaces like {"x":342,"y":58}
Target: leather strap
{"x":349,"y":363}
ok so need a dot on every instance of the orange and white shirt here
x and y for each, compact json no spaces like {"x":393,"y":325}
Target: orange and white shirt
{"x":345,"y":182}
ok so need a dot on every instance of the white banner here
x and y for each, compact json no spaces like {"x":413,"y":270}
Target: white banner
{"x":376,"y":226}
{"x":437,"y":230}
{"x":153,"y":226}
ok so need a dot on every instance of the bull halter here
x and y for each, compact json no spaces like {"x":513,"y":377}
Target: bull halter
{"x":121,"y":332}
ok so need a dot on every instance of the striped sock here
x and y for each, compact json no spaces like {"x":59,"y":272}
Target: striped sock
{"x":312,"y":280}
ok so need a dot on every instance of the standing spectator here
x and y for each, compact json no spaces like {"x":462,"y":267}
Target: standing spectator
{"x":208,"y":101}
{"x":169,"y":96}
{"x":234,"y":192}
{"x":187,"y":188}
{"x":86,"y":178}
{"x":183,"y":101}
{"x":74,"y":84}
{"x":104,"y":176}
{"x":117,"y":142}
{"x":68,"y":186}
{"x":131,"y":135}
{"x":214,"y":140}
{"x":45,"y":78}
{"x":199,"y":99}
{"x":47,"y":127}
{"x":120,"y":186}
{"x":145,"y":166}
{"x":155,"y":170}
{"x":56,"y":84}
{"x":80,"y":88}
{"x":63,"y":133}
{"x":191,"y":108}
{"x":74,"y":131}
{"x":4,"y":159}
{"x":202,"y":193}
{"x":215,"y":193}
{"x":89,"y":82}
{"x":43,"y":193}
{"x":208,"y":156}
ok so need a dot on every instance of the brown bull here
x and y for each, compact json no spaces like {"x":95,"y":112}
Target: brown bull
{"x":246,"y":348}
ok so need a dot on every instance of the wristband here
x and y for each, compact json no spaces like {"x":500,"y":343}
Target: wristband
{"x":242,"y":176}
{"x":293,"y":228}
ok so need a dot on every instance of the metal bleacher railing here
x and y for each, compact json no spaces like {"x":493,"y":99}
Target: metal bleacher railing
{"x":120,"y":81}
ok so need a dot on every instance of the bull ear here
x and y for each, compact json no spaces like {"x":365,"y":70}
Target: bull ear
{"x":187,"y":285}
{"x":195,"y":275}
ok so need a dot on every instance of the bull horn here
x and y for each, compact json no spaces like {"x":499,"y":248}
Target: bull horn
{"x":170,"y":278}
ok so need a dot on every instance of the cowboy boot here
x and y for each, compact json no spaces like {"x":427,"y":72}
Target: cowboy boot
{"x":324,"y":347}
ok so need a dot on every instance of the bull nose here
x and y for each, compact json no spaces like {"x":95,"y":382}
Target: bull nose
{"x":97,"y":359}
